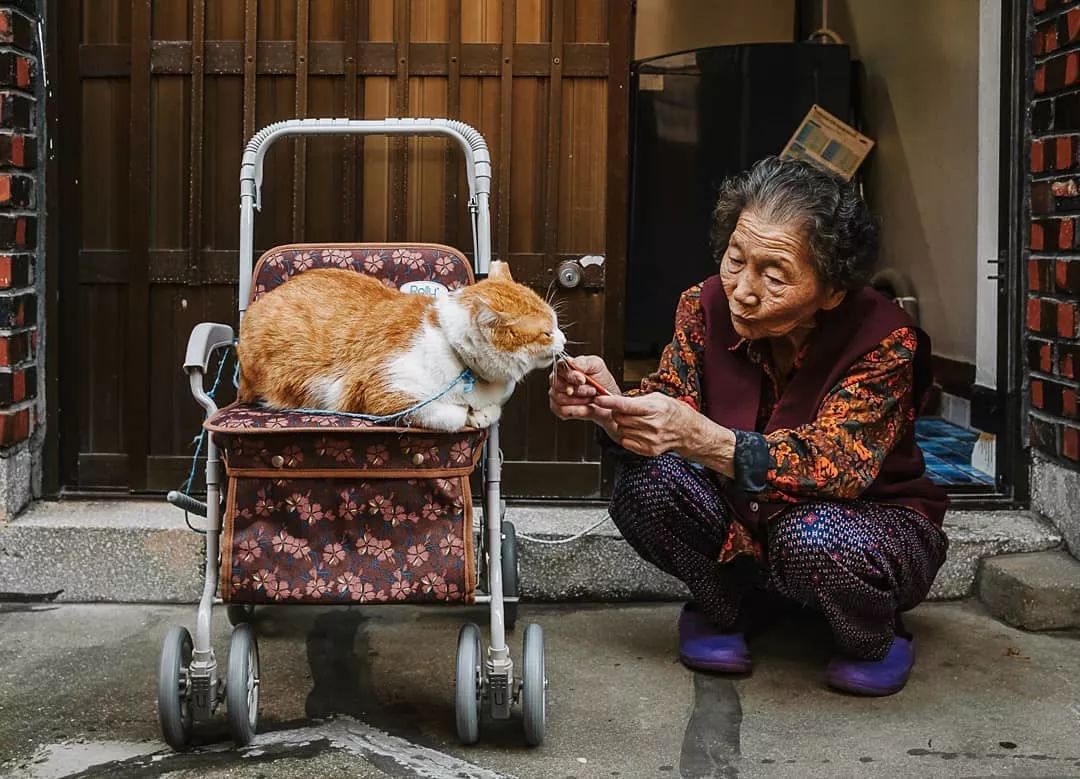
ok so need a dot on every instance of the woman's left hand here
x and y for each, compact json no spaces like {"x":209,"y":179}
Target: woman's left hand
{"x":651,"y":424}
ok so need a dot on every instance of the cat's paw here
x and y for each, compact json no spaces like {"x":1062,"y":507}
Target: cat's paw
{"x":483,"y":417}
{"x":446,"y":417}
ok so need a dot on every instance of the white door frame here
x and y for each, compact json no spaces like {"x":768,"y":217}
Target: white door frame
{"x":987,"y":193}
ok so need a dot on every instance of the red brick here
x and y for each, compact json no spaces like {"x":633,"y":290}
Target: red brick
{"x":1049,"y":39}
{"x":1063,"y":153}
{"x":1068,"y":403}
{"x":15,"y":349}
{"x":1037,"y":241}
{"x":1067,"y":276}
{"x":1046,"y":360}
{"x":1038,"y":157}
{"x":1040,"y":79}
{"x":1072,"y":24}
{"x":1034,"y":315}
{"x":1036,"y":393}
{"x":14,"y":427}
{"x":1072,"y":69}
{"x":1065,"y":234}
{"x":1033,"y":276}
{"x":1070,"y":443}
{"x":1066,"y":320}
{"x":1068,"y":360}
{"x":1038,"y":6}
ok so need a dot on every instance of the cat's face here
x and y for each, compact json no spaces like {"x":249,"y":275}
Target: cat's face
{"x":515,"y":322}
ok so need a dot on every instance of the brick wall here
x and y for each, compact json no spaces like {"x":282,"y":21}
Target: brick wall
{"x":21,"y":217}
{"x":1053,"y":262}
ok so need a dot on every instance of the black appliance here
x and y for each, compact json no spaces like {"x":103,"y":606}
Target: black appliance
{"x":697,"y":117}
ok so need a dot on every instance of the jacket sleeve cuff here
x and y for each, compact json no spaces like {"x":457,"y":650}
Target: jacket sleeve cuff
{"x":752,"y":461}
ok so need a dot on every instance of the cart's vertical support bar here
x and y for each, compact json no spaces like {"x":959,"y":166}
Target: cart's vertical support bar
{"x":203,"y":666}
{"x":453,"y":109}
{"x":506,"y":126}
{"x":299,"y":200}
{"x":500,"y":665}
{"x":620,"y":40}
{"x":136,"y":390}
{"x":399,"y":147}
{"x":251,"y":36}
{"x":349,"y":144}
{"x":195,"y":183}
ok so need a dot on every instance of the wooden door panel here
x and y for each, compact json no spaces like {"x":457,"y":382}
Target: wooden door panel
{"x":168,"y":91}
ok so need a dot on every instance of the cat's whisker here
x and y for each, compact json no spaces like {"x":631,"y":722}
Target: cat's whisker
{"x":550,"y":294}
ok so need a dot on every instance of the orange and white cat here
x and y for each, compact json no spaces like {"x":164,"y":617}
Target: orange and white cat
{"x":342,"y":341}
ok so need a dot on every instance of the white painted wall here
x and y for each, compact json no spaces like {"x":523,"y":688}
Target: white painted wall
{"x":986,"y":290}
{"x":922,"y":109}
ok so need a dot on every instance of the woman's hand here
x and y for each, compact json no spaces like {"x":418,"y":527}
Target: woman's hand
{"x":570,"y":396}
{"x":650,"y":425}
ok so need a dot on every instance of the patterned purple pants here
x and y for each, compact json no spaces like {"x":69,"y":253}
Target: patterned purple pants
{"x":859,"y":564}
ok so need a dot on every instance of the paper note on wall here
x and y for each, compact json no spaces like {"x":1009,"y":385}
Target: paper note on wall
{"x":826,"y":141}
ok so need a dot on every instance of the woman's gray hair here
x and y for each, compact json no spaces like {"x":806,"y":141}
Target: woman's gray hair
{"x":841,"y":234}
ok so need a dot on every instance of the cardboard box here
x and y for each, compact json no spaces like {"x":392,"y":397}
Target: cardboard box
{"x":826,"y":141}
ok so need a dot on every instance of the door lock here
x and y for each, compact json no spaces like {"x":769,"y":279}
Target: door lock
{"x":569,"y":274}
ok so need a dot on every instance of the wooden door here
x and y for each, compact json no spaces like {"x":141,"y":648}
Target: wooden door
{"x":156,"y":100}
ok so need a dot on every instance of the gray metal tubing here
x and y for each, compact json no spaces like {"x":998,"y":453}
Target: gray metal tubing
{"x":493,"y":521}
{"x":478,"y":170}
{"x":213,"y":519}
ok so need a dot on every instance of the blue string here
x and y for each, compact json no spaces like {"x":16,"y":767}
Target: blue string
{"x":202,"y":434}
{"x":466,"y":378}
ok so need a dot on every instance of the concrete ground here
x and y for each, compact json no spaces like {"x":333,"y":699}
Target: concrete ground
{"x":369,"y":692}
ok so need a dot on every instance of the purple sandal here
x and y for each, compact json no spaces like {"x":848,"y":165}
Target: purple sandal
{"x":704,"y":647}
{"x":874,"y":677}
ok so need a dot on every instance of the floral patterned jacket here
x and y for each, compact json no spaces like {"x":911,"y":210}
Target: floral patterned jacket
{"x":838,"y":454}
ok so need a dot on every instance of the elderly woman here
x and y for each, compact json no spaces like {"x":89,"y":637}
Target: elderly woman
{"x":779,"y":429}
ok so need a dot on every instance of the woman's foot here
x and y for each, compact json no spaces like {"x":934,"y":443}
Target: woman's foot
{"x":874,"y":677}
{"x":704,"y":647}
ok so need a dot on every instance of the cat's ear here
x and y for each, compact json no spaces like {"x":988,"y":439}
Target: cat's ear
{"x":500,"y":270}
{"x":485,"y":316}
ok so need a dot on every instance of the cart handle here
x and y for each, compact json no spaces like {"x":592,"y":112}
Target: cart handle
{"x":478,"y":170}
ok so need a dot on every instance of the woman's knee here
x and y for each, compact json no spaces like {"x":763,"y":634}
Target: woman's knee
{"x":814,"y":543}
{"x":643,"y":481}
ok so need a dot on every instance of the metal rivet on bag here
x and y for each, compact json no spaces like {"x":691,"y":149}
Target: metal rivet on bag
{"x":418,"y":459}
{"x":277,"y":461}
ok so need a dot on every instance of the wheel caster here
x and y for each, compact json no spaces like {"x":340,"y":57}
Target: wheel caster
{"x":510,"y":573}
{"x":240,"y":613}
{"x":468,"y":684}
{"x":173,"y":701}
{"x":534,"y":686}
{"x":242,"y":685}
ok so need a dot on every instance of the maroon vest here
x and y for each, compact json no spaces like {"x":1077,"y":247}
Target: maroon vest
{"x":731,"y":391}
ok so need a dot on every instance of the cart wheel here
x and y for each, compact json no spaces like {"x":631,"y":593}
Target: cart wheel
{"x":242,"y":684}
{"x":467,"y":685}
{"x":534,"y":686}
{"x":510,"y":573}
{"x":173,"y":702}
{"x":240,"y":613}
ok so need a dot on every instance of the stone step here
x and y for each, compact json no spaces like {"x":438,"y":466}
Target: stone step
{"x":140,"y":551}
{"x":1035,"y":591}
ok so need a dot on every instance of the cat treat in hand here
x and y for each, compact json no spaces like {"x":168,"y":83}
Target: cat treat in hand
{"x":338,"y":340}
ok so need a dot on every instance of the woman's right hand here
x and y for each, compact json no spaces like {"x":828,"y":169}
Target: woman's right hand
{"x":570,"y":396}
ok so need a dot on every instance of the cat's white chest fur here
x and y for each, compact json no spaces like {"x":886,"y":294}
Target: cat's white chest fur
{"x":430,"y":365}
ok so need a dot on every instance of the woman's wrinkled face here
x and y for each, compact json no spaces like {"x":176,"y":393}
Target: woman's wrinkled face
{"x":771,"y":286}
